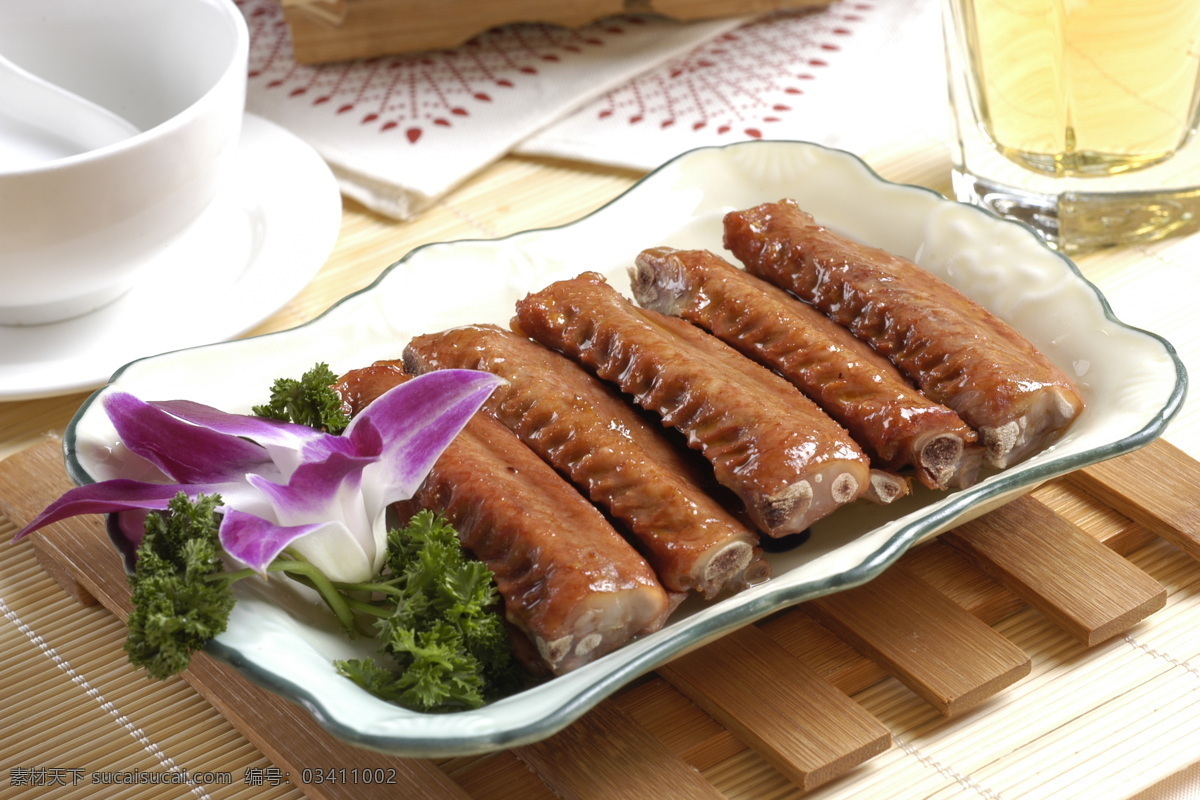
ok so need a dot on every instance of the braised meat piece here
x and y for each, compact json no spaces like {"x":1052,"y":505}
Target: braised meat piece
{"x":954,"y":350}
{"x":894,"y":423}
{"x":625,"y":464}
{"x":788,"y":461}
{"x":569,"y":581}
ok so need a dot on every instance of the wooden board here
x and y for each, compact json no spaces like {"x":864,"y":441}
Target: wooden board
{"x":783,"y":689}
{"x":795,"y":719}
{"x":607,"y":754}
{"x":1023,"y":543}
{"x":339,"y":30}
{"x":923,"y":638}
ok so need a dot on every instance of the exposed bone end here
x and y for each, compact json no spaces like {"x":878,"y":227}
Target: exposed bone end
{"x":782,"y":513}
{"x":939,"y":460}
{"x":804,"y":502}
{"x":412,"y":360}
{"x":655,"y":281}
{"x":886,"y":487}
{"x":1014,"y":441}
{"x":553,"y":652}
{"x":725,"y":568}
{"x":604,"y":622}
{"x":1001,"y":441}
{"x":844,"y":488}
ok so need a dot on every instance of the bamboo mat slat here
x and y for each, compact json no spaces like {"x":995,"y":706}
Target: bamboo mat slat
{"x":794,"y":719}
{"x":1022,"y":543}
{"x":987,"y":753}
{"x":607,"y":754}
{"x":73,"y":703}
{"x":1149,"y":493}
{"x":924,"y":639}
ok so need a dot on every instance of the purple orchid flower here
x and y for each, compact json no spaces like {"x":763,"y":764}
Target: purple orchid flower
{"x":284,"y":485}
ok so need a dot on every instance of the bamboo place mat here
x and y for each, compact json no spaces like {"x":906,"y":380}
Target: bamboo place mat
{"x":1068,"y":612}
{"x":1093,"y":721}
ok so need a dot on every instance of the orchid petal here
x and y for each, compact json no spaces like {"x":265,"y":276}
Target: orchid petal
{"x":263,"y":430}
{"x":185,"y":452}
{"x":287,"y":443}
{"x":416,"y":421}
{"x":273,"y":475}
{"x":255,"y":541}
{"x":337,"y":551}
{"x":328,"y":490}
{"x":116,"y":495}
{"x":314,"y":488}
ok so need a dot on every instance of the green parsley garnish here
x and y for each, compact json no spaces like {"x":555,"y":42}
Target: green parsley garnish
{"x":180,"y":599}
{"x":443,"y":642}
{"x":309,"y":400}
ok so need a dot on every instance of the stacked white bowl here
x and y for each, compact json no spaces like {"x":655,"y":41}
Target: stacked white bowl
{"x":76,"y":231}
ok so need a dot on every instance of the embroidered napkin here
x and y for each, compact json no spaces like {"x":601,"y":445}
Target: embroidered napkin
{"x":855,"y":75}
{"x":398,"y":132}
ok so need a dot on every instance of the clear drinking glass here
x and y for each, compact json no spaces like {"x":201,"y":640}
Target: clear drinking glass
{"x":1078,"y":116}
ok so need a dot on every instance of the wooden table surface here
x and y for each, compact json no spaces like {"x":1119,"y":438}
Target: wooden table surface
{"x":1154,"y":286}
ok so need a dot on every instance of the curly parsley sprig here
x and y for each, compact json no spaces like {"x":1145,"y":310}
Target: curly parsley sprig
{"x":180,"y":599}
{"x":443,"y":644}
{"x":182,"y":595}
{"x":308,"y":400}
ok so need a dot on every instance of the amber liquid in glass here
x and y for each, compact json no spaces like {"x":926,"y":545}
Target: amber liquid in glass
{"x":1085,"y":87}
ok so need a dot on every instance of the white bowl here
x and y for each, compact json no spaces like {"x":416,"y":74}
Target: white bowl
{"x":1133,"y":382}
{"x":75,"y":232}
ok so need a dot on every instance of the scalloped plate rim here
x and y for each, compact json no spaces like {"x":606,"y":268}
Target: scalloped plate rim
{"x":726,"y":615}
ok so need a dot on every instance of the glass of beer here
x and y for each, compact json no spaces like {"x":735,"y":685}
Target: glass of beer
{"x":1078,"y":117}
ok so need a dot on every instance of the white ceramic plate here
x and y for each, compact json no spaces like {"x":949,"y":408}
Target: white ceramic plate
{"x":1132,"y":381}
{"x":270,"y":228}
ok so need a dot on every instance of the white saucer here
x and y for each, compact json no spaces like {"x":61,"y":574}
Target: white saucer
{"x":269,"y":230}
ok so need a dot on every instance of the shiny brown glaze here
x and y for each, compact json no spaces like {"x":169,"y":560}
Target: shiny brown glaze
{"x":958,"y":353}
{"x":609,"y":450}
{"x":894,"y":423}
{"x":787,"y":460}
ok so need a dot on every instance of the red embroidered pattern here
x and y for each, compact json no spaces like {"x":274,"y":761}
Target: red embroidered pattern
{"x":740,"y":81}
{"x":410,"y":93}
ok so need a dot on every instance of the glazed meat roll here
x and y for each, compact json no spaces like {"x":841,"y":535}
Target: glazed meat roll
{"x":958,"y":353}
{"x":788,"y":461}
{"x":895,"y":423}
{"x":569,"y":581}
{"x":607,"y":448}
